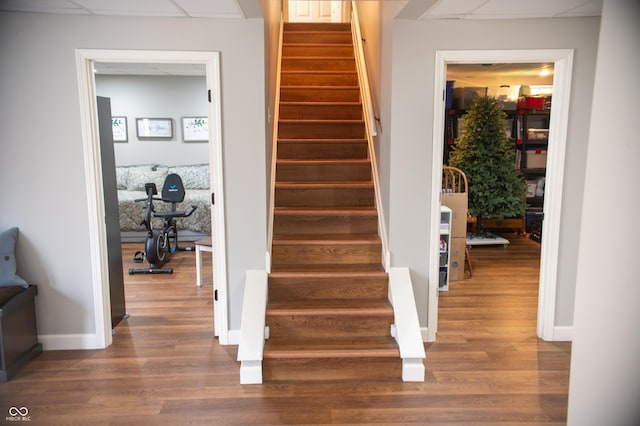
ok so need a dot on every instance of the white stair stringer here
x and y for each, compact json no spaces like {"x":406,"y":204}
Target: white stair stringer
{"x":406,"y":329}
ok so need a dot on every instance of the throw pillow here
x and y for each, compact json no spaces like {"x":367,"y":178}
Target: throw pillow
{"x":8,"y":265}
{"x":194,"y":176}
{"x":138,"y":177}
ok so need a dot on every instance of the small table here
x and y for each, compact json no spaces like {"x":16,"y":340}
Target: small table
{"x":201,"y":245}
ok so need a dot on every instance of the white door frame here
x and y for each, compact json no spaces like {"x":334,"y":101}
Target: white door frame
{"x":85,"y":58}
{"x":563,"y":62}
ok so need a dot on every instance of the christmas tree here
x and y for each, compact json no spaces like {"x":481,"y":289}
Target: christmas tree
{"x":486,"y":154}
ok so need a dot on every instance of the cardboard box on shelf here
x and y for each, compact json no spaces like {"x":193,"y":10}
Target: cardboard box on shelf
{"x":458,"y":203}
{"x":456,"y":258}
{"x":536,"y":158}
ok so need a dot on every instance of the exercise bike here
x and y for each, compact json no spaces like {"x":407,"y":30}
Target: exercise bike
{"x":158,"y":246}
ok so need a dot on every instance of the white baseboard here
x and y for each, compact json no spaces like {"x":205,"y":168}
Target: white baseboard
{"x":61,"y":342}
{"x":425,"y":333}
{"x":563,"y":333}
{"x":560,"y":333}
{"x":233,"y":337}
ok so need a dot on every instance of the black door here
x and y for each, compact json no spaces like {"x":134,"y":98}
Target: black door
{"x":114,"y":248}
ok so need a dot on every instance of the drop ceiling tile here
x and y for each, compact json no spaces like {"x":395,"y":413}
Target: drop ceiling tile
{"x":591,"y":8}
{"x":526,"y":8}
{"x":45,"y":6}
{"x":453,"y":8}
{"x":210,"y":9}
{"x":132,"y":7}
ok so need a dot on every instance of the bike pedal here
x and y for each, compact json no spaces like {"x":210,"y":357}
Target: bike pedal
{"x":138,"y":257}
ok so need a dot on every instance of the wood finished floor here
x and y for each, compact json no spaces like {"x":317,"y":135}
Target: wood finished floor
{"x":165,"y":368}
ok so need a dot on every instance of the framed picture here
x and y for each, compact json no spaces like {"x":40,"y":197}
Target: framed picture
{"x":195,"y":129}
{"x":119,"y":125}
{"x":154,"y":127}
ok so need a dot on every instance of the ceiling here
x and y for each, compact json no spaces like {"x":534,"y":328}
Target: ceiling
{"x":233,"y":9}
{"x":499,"y":9}
{"x":239,"y":9}
{"x":247,"y":9}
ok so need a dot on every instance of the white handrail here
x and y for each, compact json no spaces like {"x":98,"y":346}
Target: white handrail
{"x":274,"y":150}
{"x":370,"y":124}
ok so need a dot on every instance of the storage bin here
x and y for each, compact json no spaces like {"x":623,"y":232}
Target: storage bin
{"x":463,"y":97}
{"x":537,"y":134}
{"x":449,"y":97}
{"x":536,"y":158}
{"x":531,"y":102}
{"x":443,"y":278}
{"x":531,"y":188}
{"x":506,"y":96}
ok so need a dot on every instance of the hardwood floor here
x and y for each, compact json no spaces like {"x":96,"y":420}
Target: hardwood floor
{"x":165,"y":367}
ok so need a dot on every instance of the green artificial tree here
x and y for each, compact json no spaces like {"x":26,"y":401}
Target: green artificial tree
{"x":485,"y":153}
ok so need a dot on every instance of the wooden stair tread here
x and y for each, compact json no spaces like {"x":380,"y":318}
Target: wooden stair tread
{"x":313,"y":121}
{"x":354,"y":184}
{"x":287,"y":44}
{"x":326,"y":239}
{"x":321,"y":103}
{"x":326,"y":162}
{"x":355,"y":87}
{"x":322,"y":140}
{"x":332,"y":347}
{"x":349,"y":268}
{"x":346,"y":272}
{"x":333,"y":211}
{"x":325,"y":307}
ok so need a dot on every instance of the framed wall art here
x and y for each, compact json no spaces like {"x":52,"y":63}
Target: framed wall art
{"x":119,"y":125}
{"x":154,"y":128}
{"x":195,"y":129}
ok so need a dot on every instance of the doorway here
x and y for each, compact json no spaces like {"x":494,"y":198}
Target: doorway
{"x":314,"y":10}
{"x":85,"y":60}
{"x":562,"y":60}
{"x":174,"y":92}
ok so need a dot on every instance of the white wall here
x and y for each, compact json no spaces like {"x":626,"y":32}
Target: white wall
{"x":41,"y":151}
{"x":605,"y":367}
{"x":174,"y":97}
{"x":412,"y":83}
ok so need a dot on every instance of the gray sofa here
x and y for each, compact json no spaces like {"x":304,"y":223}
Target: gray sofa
{"x":131,"y":181}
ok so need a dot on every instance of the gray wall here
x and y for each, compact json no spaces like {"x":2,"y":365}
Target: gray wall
{"x":173,"y":97}
{"x":604,"y":386}
{"x":412,"y":83}
{"x":41,"y":151}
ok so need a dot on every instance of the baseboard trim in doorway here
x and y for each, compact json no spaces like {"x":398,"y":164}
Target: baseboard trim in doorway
{"x":563,"y":333}
{"x":62,"y":342}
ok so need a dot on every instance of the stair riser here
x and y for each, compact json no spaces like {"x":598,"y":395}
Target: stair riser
{"x":304,"y":172}
{"x":301,"y":326}
{"x":318,"y":150}
{"x":326,"y":224}
{"x":319,"y":94}
{"x":317,"y":26}
{"x":318,"y":64}
{"x":317,"y":51}
{"x":303,"y":111}
{"x":324,"y":197}
{"x":312,"y":37}
{"x":333,"y":369}
{"x":326,"y":254}
{"x":321,"y":130}
{"x":318,"y":79}
{"x":297,"y":288}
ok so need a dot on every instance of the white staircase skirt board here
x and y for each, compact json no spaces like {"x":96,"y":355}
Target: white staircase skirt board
{"x":252,"y":327}
{"x":407,"y":326}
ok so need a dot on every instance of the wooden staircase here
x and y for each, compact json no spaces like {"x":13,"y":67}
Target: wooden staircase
{"x":328,"y":312}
